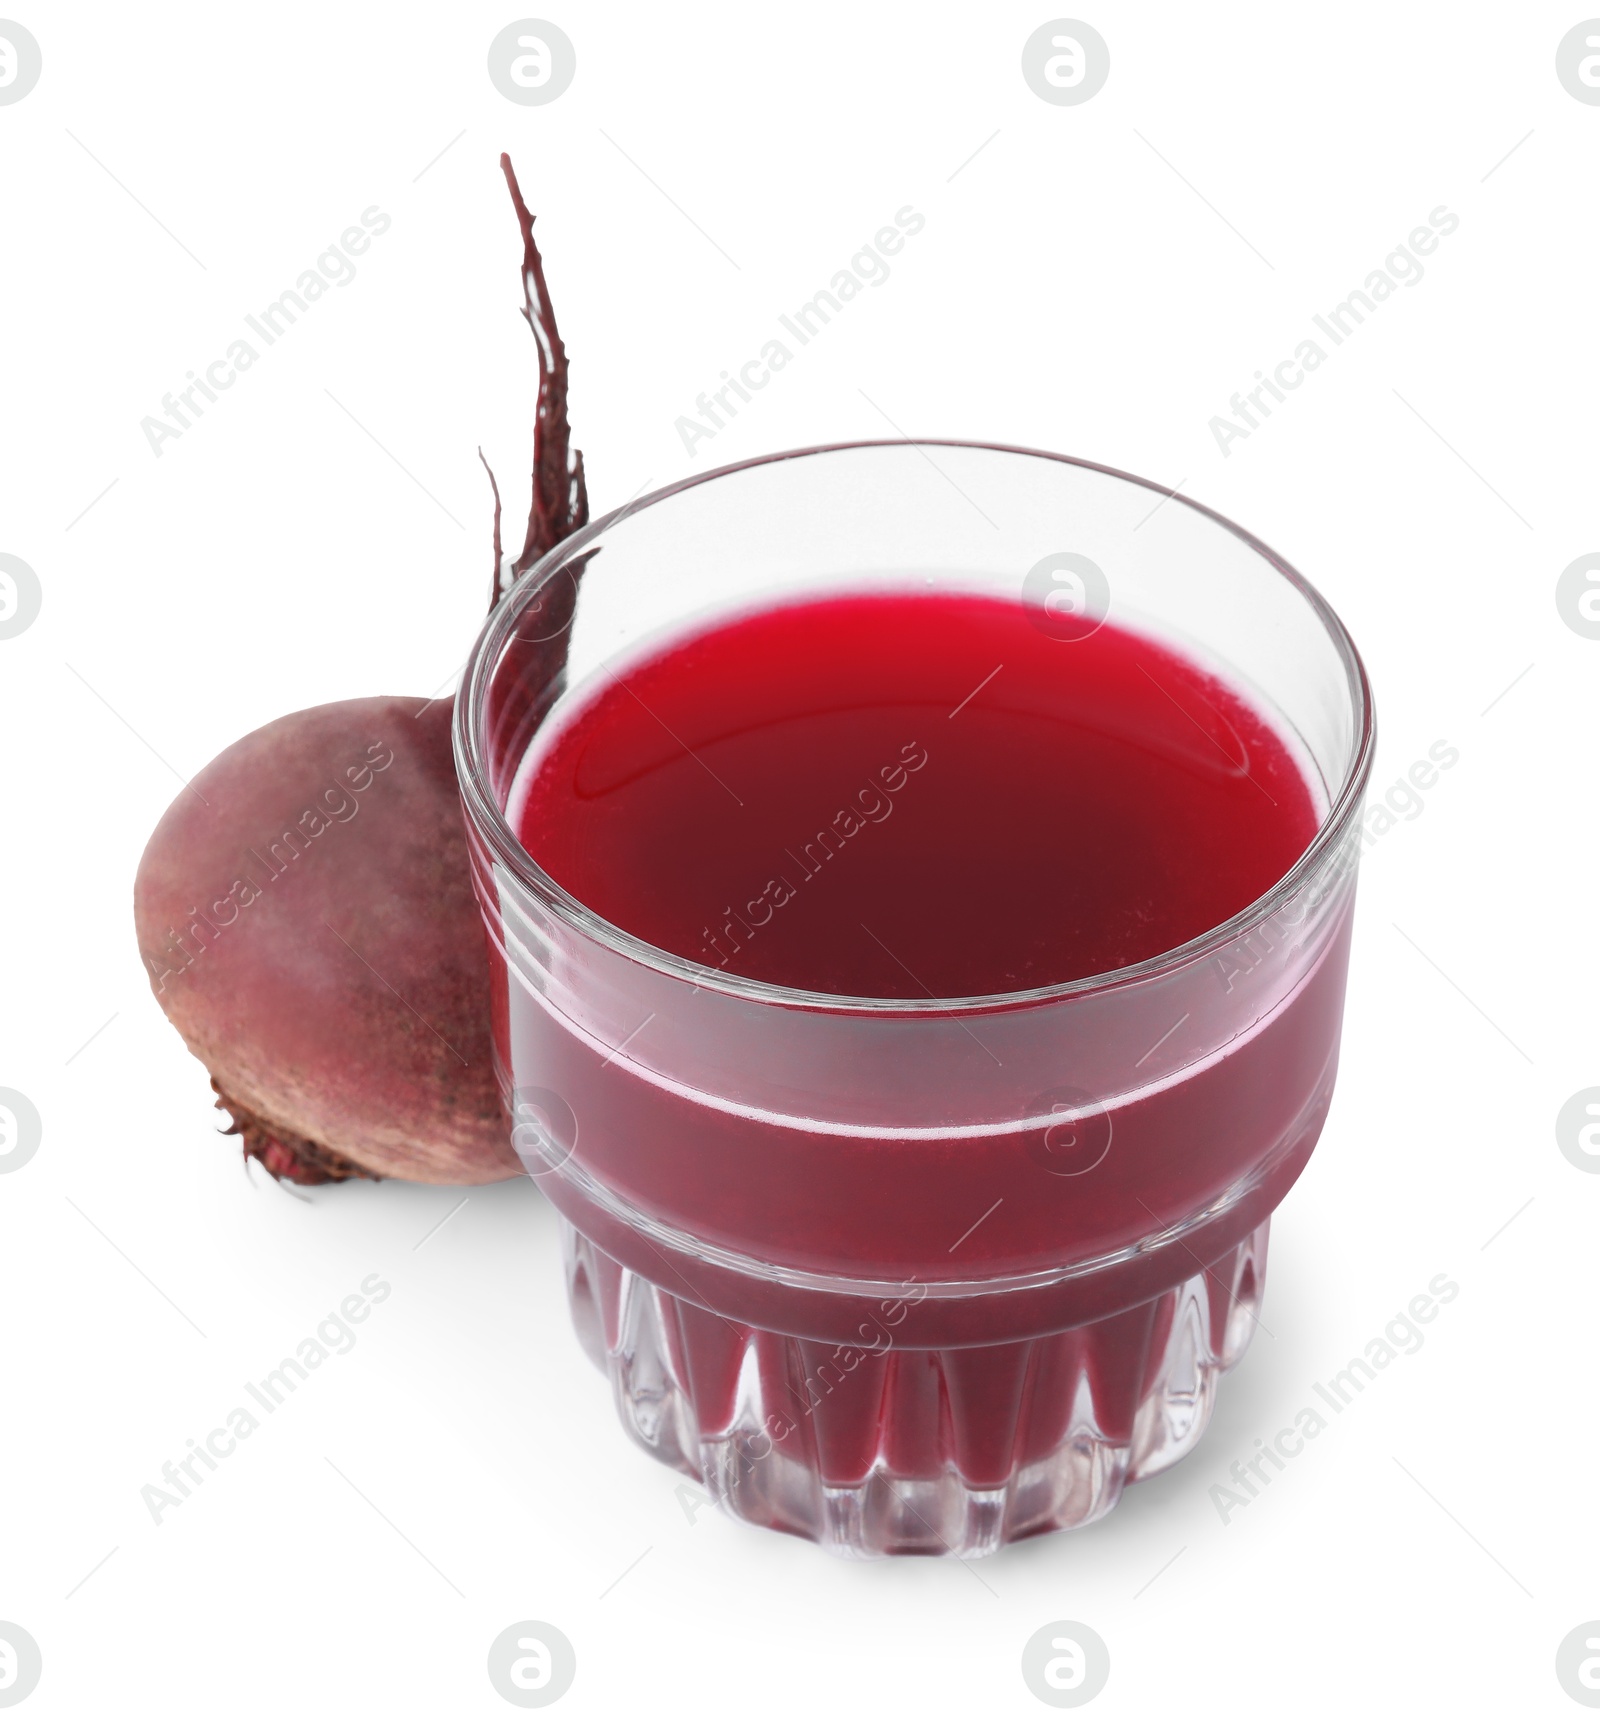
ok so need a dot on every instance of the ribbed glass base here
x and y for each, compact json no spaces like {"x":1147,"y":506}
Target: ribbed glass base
{"x":875,"y":1450}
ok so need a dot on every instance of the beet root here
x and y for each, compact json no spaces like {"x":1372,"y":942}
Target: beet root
{"x":307,"y":918}
{"x":306,"y":912}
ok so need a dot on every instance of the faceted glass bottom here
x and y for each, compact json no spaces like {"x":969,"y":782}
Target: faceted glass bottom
{"x":890,"y":1451}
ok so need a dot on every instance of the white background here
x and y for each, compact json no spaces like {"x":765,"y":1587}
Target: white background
{"x":1070,"y":291}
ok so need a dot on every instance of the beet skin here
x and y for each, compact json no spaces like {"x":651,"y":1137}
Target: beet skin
{"x":307,"y":919}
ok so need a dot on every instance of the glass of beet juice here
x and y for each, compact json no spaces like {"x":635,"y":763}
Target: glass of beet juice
{"x":919,"y":879}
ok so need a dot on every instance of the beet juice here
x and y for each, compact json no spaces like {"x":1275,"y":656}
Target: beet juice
{"x":913,"y":794}
{"x":919,"y":968}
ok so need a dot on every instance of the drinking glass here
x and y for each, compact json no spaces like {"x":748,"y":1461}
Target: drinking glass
{"x":917,"y":1276}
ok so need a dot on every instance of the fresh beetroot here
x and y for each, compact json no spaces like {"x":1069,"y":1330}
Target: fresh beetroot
{"x":306,"y":913}
{"x":310,"y":929}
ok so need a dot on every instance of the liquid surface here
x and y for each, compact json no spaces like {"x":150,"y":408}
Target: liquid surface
{"x":914,"y":794}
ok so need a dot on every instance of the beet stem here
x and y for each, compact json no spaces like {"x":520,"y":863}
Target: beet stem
{"x":560,"y":499}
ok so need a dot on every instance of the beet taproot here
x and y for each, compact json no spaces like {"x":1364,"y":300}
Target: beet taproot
{"x":308,"y":922}
{"x":305,"y":908}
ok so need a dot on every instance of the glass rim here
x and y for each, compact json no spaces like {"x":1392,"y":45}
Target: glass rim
{"x":484,"y":812}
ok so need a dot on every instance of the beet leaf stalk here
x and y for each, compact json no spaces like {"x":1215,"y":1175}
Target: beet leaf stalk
{"x":560,"y":498}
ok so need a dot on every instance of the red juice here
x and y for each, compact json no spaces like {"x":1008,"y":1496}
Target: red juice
{"x":894,"y":797}
{"x":915,"y":795}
